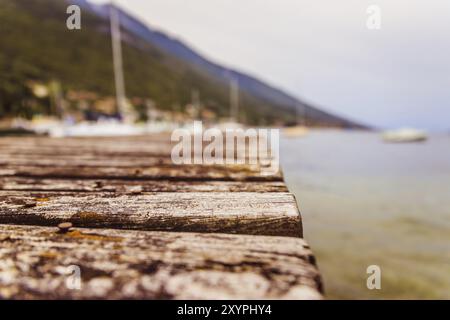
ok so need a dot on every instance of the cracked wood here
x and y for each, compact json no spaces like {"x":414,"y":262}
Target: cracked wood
{"x":241,"y":213}
{"x":109,"y":185}
{"x":154,"y":265}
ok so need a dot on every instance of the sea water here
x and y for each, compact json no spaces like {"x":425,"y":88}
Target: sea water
{"x":365,"y":202}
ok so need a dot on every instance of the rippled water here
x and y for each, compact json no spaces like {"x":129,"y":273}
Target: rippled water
{"x":365,"y":202}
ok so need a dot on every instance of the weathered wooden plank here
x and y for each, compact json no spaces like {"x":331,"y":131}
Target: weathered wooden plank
{"x":159,"y":172}
{"x":151,"y":139}
{"x":94,"y":141}
{"x":127,"y":142}
{"x":48,"y":151}
{"x":58,"y":160}
{"x":103,"y":152}
{"x":97,"y":147}
{"x":154,"y":150}
{"x":155,"y":138}
{"x":237,"y":213}
{"x":123,"y":186}
{"x":90,"y":160}
{"x":35,"y":261}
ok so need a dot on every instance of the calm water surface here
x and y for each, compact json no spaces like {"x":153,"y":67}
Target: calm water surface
{"x":365,"y":203}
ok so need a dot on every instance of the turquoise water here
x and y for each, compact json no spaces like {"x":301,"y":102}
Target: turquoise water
{"x":365,"y":202}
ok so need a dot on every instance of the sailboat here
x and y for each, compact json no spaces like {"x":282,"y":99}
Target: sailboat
{"x":108,"y":127}
{"x":116,"y":39}
{"x":233,"y":123}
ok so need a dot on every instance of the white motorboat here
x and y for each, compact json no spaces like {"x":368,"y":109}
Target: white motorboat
{"x":405,"y":135}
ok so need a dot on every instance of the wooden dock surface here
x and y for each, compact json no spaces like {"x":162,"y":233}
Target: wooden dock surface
{"x":145,"y":228}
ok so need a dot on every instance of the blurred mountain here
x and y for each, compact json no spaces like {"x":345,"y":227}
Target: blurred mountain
{"x":157,"y":66}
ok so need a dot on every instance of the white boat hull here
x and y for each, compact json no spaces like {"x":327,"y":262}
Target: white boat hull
{"x":405,"y":136}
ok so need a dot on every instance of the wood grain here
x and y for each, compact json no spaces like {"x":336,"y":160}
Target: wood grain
{"x":156,"y":172}
{"x":236,"y":213}
{"x":156,"y":230}
{"x":35,"y":261}
{"x":108,"y":185}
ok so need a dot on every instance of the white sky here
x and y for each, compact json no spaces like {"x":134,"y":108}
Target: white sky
{"x":322,"y":51}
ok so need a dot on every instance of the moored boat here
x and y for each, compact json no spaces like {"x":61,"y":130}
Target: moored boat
{"x":405,"y":135}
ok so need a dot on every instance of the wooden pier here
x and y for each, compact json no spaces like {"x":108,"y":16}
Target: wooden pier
{"x":145,"y":228}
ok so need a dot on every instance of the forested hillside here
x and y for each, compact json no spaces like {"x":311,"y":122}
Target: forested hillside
{"x":36,"y":45}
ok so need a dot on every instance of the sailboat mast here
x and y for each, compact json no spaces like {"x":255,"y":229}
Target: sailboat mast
{"x":195,"y":100}
{"x":303,"y":115}
{"x":117,"y":59}
{"x":234,"y":99}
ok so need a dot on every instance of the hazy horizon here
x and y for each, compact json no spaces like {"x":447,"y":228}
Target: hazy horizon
{"x":393,"y":77}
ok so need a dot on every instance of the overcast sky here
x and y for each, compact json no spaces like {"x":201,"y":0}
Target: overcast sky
{"x":323,"y":52}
